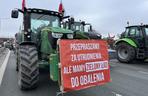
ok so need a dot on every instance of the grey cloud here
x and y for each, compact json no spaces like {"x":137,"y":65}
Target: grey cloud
{"x":107,"y":16}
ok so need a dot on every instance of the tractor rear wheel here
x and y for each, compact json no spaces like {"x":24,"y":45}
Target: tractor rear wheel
{"x":28,"y":67}
{"x":125,"y":52}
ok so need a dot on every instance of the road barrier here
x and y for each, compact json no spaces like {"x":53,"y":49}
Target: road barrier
{"x":112,"y":54}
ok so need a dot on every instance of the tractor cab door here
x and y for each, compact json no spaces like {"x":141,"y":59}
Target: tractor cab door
{"x":146,"y":37}
{"x":135,"y":33}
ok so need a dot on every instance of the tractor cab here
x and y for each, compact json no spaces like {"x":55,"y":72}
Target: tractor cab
{"x":77,"y":25}
{"x":82,"y":26}
{"x":139,"y":34}
{"x":35,"y":20}
{"x":81,"y":29}
{"x":42,"y":27}
{"x":134,"y":33}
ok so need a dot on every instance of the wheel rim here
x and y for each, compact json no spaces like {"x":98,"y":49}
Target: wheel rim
{"x":123,"y":53}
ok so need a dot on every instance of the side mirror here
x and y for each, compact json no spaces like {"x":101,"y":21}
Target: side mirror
{"x":72,"y":20}
{"x":83,"y":23}
{"x":14,"y":14}
{"x":65,"y":17}
{"x":91,"y":28}
{"x":122,"y":34}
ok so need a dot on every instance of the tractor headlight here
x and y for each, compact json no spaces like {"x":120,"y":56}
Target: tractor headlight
{"x":70,"y":36}
{"x":57,"y":35}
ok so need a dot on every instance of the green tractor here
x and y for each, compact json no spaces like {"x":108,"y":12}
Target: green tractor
{"x":37,"y":44}
{"x":81,"y":29}
{"x":133,"y":44}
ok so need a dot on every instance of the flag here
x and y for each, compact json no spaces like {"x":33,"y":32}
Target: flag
{"x":110,"y":36}
{"x":23,"y":5}
{"x":61,"y":8}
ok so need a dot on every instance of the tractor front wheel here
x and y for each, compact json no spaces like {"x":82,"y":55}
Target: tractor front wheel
{"x":28,"y":67}
{"x":125,"y":52}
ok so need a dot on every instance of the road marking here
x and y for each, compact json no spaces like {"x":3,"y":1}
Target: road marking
{"x":146,"y":73}
{"x":3,"y":67}
{"x":116,"y":94}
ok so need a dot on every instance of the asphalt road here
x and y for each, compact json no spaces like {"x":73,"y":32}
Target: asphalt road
{"x":127,"y":80}
{"x":3,"y":53}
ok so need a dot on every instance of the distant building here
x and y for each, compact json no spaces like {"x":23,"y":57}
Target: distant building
{"x":6,"y":39}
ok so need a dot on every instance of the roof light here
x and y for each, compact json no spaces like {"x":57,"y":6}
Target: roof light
{"x":57,"y":13}
{"x":28,"y":36}
{"x":40,"y":10}
{"x":70,"y":36}
{"x":61,"y":15}
{"x":29,"y":10}
{"x":29,"y":30}
{"x":52,"y":12}
{"x":25,"y":33}
{"x":35,"y":10}
{"x":57,"y":35}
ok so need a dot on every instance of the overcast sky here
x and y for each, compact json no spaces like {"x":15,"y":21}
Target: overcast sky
{"x":106,"y":16}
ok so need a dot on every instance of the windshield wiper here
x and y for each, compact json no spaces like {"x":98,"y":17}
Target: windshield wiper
{"x":40,"y":17}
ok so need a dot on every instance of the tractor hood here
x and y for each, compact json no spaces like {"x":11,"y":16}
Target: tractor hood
{"x":57,"y":30}
{"x":48,"y":41}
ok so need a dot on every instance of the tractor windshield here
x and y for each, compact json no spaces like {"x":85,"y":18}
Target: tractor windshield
{"x":78,"y":26}
{"x":41,"y":20}
{"x":87,"y":28}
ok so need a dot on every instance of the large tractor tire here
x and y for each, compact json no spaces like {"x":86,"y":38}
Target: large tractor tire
{"x":28,"y":67}
{"x":125,"y":52}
